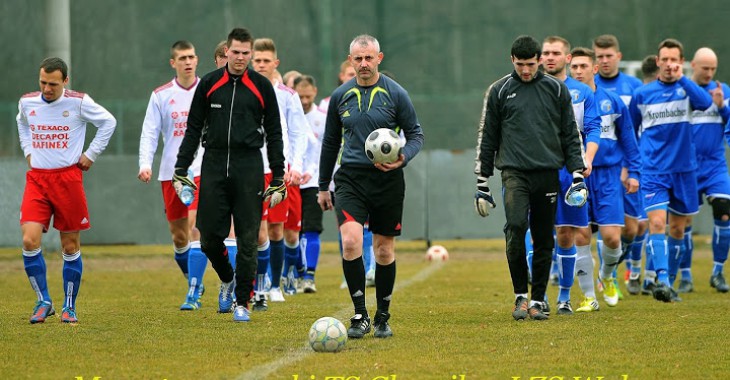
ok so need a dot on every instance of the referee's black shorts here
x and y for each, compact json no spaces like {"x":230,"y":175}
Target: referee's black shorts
{"x":366,"y":194}
{"x":311,"y":211}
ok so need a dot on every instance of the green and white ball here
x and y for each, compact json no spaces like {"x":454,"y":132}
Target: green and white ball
{"x":327,"y":334}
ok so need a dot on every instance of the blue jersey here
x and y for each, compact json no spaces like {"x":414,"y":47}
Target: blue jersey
{"x":584,"y":108}
{"x":709,"y":126}
{"x":618,"y":140}
{"x":622,"y":84}
{"x":661,"y":114}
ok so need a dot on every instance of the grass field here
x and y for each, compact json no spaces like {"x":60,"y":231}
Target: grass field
{"x":451,"y":321}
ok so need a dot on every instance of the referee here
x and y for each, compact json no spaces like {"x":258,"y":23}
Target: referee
{"x":527,"y":130}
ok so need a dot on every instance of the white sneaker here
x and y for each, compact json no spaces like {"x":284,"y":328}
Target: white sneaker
{"x":370,"y":278}
{"x":275,"y":295}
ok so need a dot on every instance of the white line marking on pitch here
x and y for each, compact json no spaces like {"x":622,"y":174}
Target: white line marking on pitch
{"x":263,"y":370}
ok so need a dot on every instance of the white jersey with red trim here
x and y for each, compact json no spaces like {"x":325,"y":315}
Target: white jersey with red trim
{"x":317,"y":119}
{"x":167,"y":115}
{"x":53,"y":134}
{"x":294,"y":128}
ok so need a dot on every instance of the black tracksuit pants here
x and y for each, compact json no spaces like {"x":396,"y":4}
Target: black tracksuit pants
{"x":231,"y":185}
{"x":530,"y":198}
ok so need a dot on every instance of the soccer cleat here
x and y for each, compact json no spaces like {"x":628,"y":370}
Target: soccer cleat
{"x":675,"y":295}
{"x":648,"y":287}
{"x":610,"y":292}
{"x":662,"y":292}
{"x":191,"y":303}
{"x":634,"y":286}
{"x":519,"y":311}
{"x":359,"y":326}
{"x":241,"y":314}
{"x":275,"y":295}
{"x":718,"y":282}
{"x":289,"y":284}
{"x":546,"y":307}
{"x":382,"y":328}
{"x":587,"y":305}
{"x":370,"y":278}
{"x":685,"y":286}
{"x":564,"y":308}
{"x":41,"y":311}
{"x":68,"y":315}
{"x":259,"y":302}
{"x":627,"y":276}
{"x":308,"y":286}
{"x":225,"y":297}
{"x":618,"y":290}
{"x":536,"y":311}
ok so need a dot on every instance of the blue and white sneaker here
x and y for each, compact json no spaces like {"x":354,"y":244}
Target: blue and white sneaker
{"x":225,"y":297}
{"x":68,"y":315}
{"x":41,"y":311}
{"x":241,"y":314}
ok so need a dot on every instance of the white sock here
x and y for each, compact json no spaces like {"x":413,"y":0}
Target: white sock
{"x":610,"y":261}
{"x":584,"y":270}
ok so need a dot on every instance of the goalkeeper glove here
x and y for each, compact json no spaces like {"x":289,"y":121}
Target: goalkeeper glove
{"x":483,"y":199}
{"x":577,"y":194}
{"x":180,"y":178}
{"x":275,"y":193}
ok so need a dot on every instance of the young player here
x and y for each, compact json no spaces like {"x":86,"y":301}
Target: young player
{"x":167,"y":115}
{"x":51,"y":127}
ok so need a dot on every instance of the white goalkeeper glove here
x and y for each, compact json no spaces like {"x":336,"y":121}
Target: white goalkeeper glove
{"x":483,"y":199}
{"x":577,"y":194}
{"x":275,"y":193}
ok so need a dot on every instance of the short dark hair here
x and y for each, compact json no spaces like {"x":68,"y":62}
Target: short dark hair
{"x":526,"y":47}
{"x":671,"y":43}
{"x":308,"y":79}
{"x":605,"y":41}
{"x":583,"y":52}
{"x":239,"y":34}
{"x":180,"y":45}
{"x":649,"y":68}
{"x":52,"y":64}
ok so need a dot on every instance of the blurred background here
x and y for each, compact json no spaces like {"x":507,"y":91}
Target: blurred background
{"x":444,"y":53}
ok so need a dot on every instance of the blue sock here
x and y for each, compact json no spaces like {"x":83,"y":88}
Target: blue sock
{"x":657,"y":249}
{"x":264,"y":255}
{"x":291,"y":256}
{"x":566,"y":271}
{"x":685,"y":263}
{"x":636,"y":248}
{"x":720,"y":245}
{"x":367,"y":249}
{"x":529,"y":249}
{"x":197,"y":262}
{"x":72,"y":269}
{"x":675,"y":250}
{"x":311,"y":244}
{"x":35,"y":268}
{"x":232,"y":249}
{"x":181,"y":257}
{"x":276,"y":262}
{"x":301,"y":261}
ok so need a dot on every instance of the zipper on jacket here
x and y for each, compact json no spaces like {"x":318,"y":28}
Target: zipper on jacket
{"x":230,"y":119}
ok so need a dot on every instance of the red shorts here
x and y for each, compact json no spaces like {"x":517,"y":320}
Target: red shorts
{"x":174,"y":208}
{"x":58,"y":193}
{"x":288,"y":211}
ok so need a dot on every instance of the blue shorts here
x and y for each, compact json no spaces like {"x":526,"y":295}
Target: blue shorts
{"x":713,"y":180}
{"x":676,"y":191}
{"x":605,"y":200}
{"x":569,"y":216}
{"x":634,"y":205}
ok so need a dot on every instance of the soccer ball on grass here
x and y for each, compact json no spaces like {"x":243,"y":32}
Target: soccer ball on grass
{"x":437,"y":253}
{"x":383,"y":146}
{"x":327,"y":334}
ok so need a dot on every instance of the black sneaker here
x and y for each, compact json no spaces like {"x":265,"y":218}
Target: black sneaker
{"x":382,"y":329}
{"x":259,"y":302}
{"x":685,"y":286}
{"x":674,"y":295}
{"x":359,"y":326}
{"x":519,"y":312}
{"x":536,"y":311}
{"x":546,"y":307}
{"x":634,"y":286}
{"x":564,"y":308}
{"x":648,"y":287}
{"x":662,"y":292}
{"x":718,"y":282}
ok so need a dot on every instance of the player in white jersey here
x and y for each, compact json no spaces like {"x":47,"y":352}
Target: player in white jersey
{"x":280,"y":226}
{"x":52,"y":127}
{"x":312,"y":227}
{"x":167,"y":114}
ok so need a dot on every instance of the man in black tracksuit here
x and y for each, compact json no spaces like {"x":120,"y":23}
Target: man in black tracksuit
{"x":528,"y":131}
{"x":234,"y":109}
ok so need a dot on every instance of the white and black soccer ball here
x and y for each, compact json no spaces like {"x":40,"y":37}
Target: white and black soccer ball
{"x":383,"y":146}
{"x":327,"y":334}
{"x":437,"y":253}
